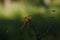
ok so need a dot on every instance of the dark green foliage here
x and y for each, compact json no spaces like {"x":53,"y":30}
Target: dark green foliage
{"x":39,"y":22}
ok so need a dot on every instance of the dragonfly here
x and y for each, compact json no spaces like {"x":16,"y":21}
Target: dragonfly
{"x":28,"y":20}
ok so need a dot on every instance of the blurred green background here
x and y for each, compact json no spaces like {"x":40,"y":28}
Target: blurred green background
{"x":44,"y":13}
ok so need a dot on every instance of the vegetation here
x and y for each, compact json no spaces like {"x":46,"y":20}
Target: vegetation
{"x":45,"y":20}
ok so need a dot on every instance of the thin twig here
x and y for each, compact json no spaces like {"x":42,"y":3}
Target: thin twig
{"x":36,"y":32}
